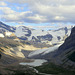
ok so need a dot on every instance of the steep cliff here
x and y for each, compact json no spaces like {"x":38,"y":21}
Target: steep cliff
{"x":65,"y":55}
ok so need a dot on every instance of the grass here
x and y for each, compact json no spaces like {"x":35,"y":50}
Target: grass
{"x":54,"y":69}
{"x":1,"y":49}
{"x":21,"y":70}
{"x":6,"y":47}
{"x":8,"y":42}
{"x":49,"y":68}
{"x":72,"y":57}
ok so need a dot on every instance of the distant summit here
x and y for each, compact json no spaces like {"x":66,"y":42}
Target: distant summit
{"x":37,"y":36}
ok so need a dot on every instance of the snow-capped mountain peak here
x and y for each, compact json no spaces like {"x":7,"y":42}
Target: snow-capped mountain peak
{"x":42,"y":36}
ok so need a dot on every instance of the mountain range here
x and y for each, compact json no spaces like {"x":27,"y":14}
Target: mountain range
{"x":49,"y":37}
{"x":22,"y":38}
{"x":18,"y":44}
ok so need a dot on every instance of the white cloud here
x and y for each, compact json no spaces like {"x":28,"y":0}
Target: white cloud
{"x":41,"y":11}
{"x":10,"y":15}
{"x":2,"y":3}
{"x":59,"y":18}
{"x":19,"y":8}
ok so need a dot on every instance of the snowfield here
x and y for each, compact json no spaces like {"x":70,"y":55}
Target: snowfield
{"x":22,"y":31}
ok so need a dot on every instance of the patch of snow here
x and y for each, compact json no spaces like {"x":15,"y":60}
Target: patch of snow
{"x":1,"y":35}
{"x":11,"y":28}
{"x":19,"y":31}
{"x":8,"y":33}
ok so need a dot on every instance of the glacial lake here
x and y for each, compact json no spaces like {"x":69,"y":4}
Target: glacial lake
{"x":36,"y":62}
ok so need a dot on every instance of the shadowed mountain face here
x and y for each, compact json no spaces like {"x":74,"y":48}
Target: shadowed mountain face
{"x":69,"y":42}
{"x":4,"y":27}
{"x":0,"y":56}
{"x":45,"y":37}
{"x":65,"y":55}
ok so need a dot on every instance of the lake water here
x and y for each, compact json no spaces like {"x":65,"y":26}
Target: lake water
{"x":36,"y":62}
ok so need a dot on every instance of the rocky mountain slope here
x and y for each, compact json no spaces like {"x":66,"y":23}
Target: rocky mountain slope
{"x":14,"y":47}
{"x":4,"y":27}
{"x":66,"y":52}
{"x":49,"y":37}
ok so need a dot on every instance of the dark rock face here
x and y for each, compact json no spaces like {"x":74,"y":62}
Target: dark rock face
{"x":69,"y":42}
{"x":0,"y":56}
{"x":65,"y":28}
{"x":58,"y":37}
{"x":29,"y":33}
{"x":25,"y":29}
{"x":45,"y":37}
{"x":66,"y":52}
{"x":23,"y":38}
{"x":34,"y":39}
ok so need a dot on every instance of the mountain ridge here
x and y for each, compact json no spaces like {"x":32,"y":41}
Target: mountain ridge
{"x":40,"y":36}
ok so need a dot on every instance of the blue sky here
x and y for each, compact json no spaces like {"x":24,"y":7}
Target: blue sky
{"x":43,"y":14}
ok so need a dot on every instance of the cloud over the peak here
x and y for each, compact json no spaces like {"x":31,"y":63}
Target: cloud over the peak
{"x":2,"y":3}
{"x":40,"y":11}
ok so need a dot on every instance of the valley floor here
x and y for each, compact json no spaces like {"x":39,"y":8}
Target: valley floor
{"x":45,"y":69}
{"x":9,"y":69}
